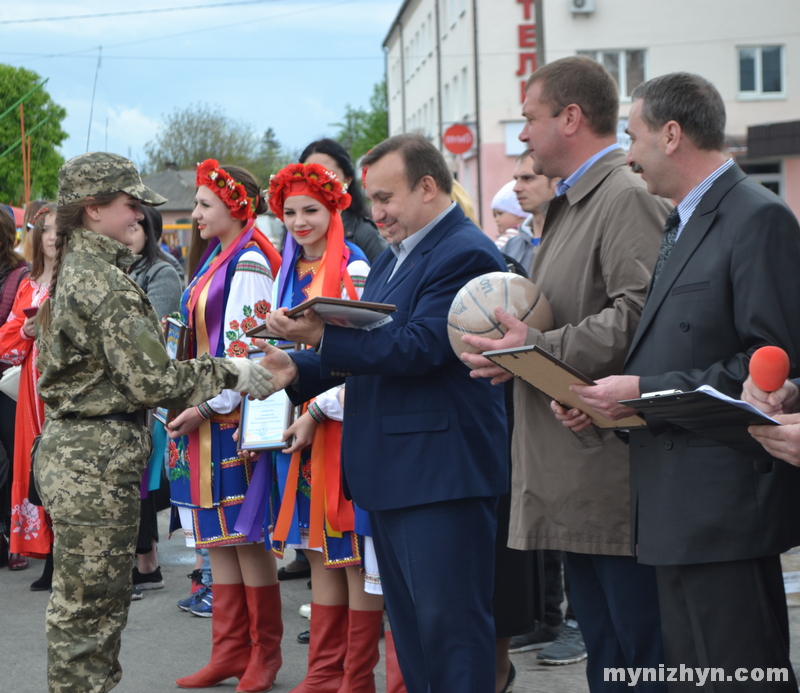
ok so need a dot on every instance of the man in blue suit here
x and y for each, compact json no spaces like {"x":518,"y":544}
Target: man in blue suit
{"x":424,"y":445}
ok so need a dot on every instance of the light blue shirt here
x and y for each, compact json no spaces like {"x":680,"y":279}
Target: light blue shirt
{"x":566,"y":183}
{"x":402,"y":249}
{"x":689,"y":203}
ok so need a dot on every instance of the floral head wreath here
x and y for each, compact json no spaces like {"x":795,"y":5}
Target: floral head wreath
{"x":39,"y":213}
{"x":231,"y":192}
{"x":313,"y":180}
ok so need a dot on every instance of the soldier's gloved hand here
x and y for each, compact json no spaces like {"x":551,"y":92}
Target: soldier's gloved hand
{"x":253,"y":379}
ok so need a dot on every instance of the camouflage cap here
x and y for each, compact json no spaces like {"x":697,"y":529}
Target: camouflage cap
{"x":99,"y":173}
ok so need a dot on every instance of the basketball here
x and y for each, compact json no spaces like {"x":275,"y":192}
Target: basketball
{"x":472,"y":310}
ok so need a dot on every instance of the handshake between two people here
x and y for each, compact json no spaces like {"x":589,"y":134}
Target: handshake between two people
{"x":276,"y":370}
{"x":782,"y":404}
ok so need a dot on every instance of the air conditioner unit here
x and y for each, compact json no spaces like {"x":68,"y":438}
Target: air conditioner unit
{"x":581,"y":6}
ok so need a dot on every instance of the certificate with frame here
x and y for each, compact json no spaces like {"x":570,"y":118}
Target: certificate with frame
{"x":176,"y":337}
{"x":262,"y":423}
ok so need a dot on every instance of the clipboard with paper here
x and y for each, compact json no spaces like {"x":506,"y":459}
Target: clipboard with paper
{"x":710,"y":413}
{"x":552,"y":376}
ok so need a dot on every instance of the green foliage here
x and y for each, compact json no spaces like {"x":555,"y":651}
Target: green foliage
{"x":200,"y":132}
{"x":270,"y":158}
{"x":15,"y":82}
{"x":196,"y":133}
{"x":363,"y":128}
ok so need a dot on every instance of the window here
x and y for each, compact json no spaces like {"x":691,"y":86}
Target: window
{"x":761,"y":71}
{"x":768,"y":174}
{"x":627,"y":67}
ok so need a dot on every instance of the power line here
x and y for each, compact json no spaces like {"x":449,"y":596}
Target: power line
{"x":133,"y":12}
{"x":212,"y":58}
{"x":94,"y":90}
{"x":216,"y":27}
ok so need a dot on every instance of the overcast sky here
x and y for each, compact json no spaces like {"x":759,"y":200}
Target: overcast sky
{"x":287,"y":64}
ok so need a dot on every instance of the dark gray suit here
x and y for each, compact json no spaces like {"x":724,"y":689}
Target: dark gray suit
{"x":731,"y":285}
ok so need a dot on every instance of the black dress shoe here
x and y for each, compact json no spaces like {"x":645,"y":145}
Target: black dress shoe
{"x":297,"y":570}
{"x":304,"y":637}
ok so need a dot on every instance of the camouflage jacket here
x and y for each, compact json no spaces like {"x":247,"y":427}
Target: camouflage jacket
{"x":103,"y":351}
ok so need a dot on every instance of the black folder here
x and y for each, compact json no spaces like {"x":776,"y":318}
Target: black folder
{"x":706,"y":414}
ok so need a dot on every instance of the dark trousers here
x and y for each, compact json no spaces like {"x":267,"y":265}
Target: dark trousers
{"x":8,"y":409}
{"x":616,"y":605}
{"x":730,"y":615}
{"x":148,"y":525}
{"x":437,"y":568}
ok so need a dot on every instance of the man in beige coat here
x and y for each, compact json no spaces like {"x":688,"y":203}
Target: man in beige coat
{"x":600,"y":241}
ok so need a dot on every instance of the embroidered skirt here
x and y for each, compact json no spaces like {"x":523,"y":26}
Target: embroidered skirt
{"x":230,"y":478}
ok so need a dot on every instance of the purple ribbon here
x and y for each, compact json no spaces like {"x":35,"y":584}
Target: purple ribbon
{"x":251,"y":515}
{"x":215,"y":301}
{"x":287,"y":267}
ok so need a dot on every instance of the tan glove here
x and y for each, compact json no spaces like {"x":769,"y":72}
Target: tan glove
{"x":253,"y":379}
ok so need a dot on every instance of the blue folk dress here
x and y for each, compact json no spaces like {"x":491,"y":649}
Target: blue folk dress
{"x":340,"y":549}
{"x":208,"y":477}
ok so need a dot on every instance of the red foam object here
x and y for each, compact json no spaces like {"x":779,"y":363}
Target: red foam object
{"x":769,"y":368}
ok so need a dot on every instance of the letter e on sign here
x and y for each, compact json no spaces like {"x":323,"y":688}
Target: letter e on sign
{"x":458,"y":139}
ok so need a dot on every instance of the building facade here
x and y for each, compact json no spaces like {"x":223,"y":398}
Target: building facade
{"x":465,"y":62}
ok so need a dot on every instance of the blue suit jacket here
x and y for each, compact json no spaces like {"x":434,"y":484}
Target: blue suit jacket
{"x":417,"y":429}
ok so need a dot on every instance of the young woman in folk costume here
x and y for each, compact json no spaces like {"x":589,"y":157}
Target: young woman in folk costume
{"x":314,"y":515}
{"x":209,"y":478}
{"x":30,"y":531}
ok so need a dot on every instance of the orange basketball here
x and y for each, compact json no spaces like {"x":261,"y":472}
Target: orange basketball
{"x":472,"y":310}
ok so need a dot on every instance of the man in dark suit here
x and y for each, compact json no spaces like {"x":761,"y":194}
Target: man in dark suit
{"x":711,"y":524}
{"x":424,"y":446}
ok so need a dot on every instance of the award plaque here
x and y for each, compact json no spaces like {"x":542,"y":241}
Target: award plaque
{"x":263,"y":422}
{"x":176,"y":336}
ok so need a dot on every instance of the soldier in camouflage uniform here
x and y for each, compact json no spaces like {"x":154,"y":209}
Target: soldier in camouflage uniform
{"x":103,"y":362}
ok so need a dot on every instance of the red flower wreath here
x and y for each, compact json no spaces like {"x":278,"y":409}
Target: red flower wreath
{"x":307,"y":179}
{"x":231,"y":192}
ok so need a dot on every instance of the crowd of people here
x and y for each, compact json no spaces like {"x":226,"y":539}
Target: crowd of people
{"x":414,"y":480}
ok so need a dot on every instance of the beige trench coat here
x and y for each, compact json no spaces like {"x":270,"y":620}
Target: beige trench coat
{"x":599,"y":245}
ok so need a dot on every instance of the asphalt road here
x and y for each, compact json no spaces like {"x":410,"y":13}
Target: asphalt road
{"x":162,"y":643}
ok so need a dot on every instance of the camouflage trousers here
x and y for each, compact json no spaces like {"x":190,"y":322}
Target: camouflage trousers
{"x":88,"y":475}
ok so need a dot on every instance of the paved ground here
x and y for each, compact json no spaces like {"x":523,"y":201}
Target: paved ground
{"x":162,"y":642}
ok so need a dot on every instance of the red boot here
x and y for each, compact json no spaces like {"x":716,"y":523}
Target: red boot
{"x":394,"y":678}
{"x":363,"y":634}
{"x":326,"y":650}
{"x":266,"y":630}
{"x":230,"y":641}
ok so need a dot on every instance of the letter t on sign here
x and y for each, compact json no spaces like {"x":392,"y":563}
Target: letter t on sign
{"x":527,"y":4}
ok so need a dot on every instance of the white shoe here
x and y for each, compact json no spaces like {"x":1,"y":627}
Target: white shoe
{"x":305,"y":611}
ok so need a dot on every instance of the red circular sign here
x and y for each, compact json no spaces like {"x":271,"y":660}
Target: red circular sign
{"x":458,"y":139}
